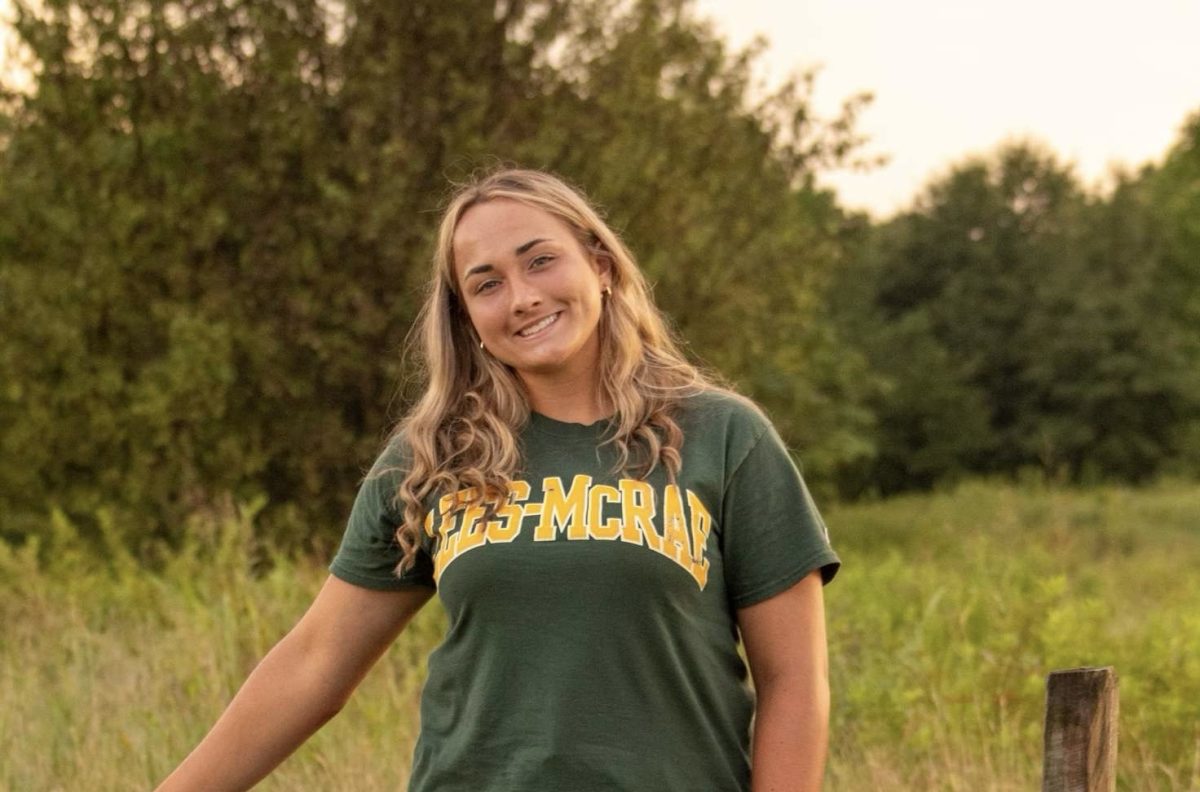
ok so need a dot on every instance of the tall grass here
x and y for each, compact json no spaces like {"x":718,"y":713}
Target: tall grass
{"x":948,"y":614}
{"x":953,"y":608}
{"x":109,"y":674}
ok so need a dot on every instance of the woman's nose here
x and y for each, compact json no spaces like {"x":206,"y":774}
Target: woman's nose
{"x":525,"y":296}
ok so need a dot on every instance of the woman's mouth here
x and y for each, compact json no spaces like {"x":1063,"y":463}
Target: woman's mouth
{"x":539,"y":326}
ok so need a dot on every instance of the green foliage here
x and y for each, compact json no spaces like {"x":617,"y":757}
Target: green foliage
{"x":1019,"y":323}
{"x":214,"y":218}
{"x":952,"y":609}
{"x":111,"y":672}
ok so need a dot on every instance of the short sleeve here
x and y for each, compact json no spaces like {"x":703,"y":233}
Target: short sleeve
{"x":369,"y":552}
{"x":773,"y":534}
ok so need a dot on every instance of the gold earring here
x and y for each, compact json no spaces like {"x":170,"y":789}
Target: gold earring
{"x":481,"y":343}
{"x":607,"y":291}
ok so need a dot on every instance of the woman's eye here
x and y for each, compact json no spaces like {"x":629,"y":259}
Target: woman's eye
{"x":541,"y":261}
{"x":485,"y":286}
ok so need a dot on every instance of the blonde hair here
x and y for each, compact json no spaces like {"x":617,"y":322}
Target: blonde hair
{"x":462,"y":433}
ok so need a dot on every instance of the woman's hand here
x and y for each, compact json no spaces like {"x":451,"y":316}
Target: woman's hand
{"x":785,"y":644}
{"x":301,"y":683}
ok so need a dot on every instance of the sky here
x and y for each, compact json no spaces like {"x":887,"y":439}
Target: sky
{"x":1100,"y":82}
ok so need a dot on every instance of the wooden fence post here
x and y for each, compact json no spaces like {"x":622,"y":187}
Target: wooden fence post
{"x":1081,"y":731}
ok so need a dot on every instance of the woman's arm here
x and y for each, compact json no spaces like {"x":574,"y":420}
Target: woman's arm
{"x":785,"y":644}
{"x":301,"y":683}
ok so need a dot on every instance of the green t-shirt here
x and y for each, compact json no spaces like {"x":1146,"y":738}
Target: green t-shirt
{"x":592,"y":640}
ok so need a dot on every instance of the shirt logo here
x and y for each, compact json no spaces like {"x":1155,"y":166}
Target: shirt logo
{"x":585,"y":511}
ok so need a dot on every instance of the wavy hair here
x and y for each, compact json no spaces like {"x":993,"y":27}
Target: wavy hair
{"x":462,"y":433}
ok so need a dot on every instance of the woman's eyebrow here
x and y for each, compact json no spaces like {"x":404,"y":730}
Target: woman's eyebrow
{"x":524,"y":248}
{"x":478,"y":268}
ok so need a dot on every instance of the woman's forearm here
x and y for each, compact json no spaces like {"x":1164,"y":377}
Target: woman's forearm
{"x":791,"y":735}
{"x":284,"y":700}
{"x":301,"y":683}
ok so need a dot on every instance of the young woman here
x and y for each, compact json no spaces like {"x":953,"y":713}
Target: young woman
{"x":601,"y":523}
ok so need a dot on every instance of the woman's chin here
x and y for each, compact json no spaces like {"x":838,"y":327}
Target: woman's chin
{"x":549,"y":364}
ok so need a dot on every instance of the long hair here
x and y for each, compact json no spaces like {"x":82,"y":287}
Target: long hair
{"x":462,"y":433}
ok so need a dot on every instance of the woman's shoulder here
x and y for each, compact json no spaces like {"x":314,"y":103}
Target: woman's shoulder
{"x":715,"y":410}
{"x":393,"y":457}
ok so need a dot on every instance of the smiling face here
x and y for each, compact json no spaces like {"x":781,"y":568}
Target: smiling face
{"x":531,"y":290}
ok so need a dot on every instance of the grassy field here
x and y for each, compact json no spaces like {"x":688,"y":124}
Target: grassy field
{"x":949,"y":612}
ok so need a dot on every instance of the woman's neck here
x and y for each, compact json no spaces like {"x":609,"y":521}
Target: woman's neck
{"x":574,"y":400}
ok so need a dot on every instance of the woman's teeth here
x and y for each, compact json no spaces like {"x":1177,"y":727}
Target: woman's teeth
{"x":549,"y":320}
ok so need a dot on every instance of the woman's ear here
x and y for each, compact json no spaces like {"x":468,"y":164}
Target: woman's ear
{"x":603,"y":262}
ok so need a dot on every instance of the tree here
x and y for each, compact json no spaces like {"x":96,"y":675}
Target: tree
{"x":1019,"y":322}
{"x":215,"y":216}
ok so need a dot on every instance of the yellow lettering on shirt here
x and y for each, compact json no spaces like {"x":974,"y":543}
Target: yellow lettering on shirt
{"x":507,"y":524}
{"x":599,"y":528}
{"x":563,"y":511}
{"x":451,"y":508}
{"x":637,"y":514}
{"x":701,"y":528}
{"x":470,"y":535}
{"x":675,"y":541}
{"x":577,"y":513}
